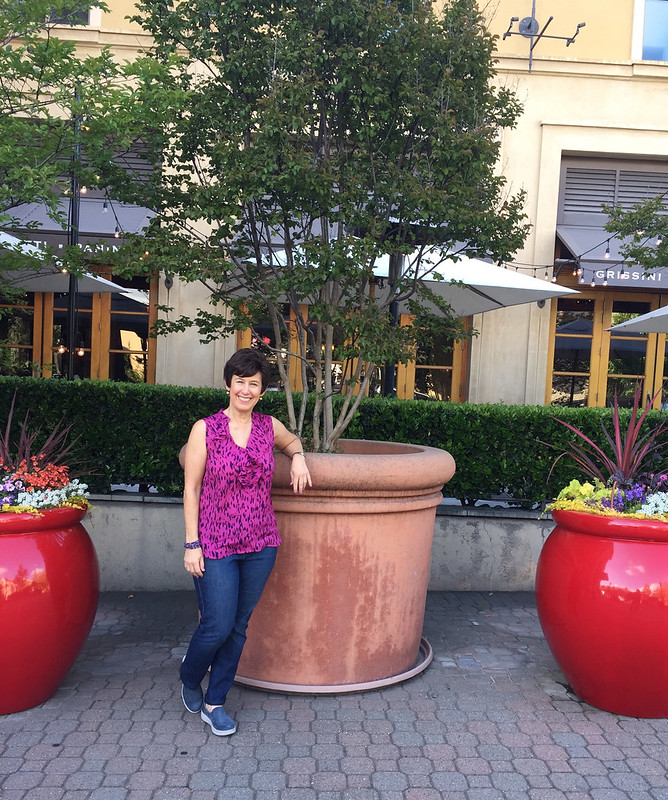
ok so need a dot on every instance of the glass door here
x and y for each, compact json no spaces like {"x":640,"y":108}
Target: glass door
{"x":589,"y":364}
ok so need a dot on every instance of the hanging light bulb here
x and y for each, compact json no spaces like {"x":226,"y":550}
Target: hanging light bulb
{"x":117,"y":232}
{"x":105,"y":207}
{"x":607,"y":250}
{"x":80,"y":347}
{"x":61,"y":347}
{"x":659,"y":240}
{"x":83,"y":190}
{"x":593,"y":280}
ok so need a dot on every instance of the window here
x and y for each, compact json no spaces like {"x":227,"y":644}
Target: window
{"x":69,"y":16}
{"x":111,"y":338}
{"x":16,"y":336}
{"x":440,"y":372}
{"x":655,"y":34}
{"x":589,"y":364}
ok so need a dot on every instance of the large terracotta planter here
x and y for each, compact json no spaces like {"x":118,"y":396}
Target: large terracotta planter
{"x":602,"y":598}
{"x":49,"y":588}
{"x":344,"y":607}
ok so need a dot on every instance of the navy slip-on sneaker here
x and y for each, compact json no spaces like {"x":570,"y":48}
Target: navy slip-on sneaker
{"x":193,"y":699}
{"x":220,"y":721}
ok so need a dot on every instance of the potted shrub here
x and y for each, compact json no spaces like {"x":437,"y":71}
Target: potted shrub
{"x":296,"y":150}
{"x":602,"y":575}
{"x":49,"y":584}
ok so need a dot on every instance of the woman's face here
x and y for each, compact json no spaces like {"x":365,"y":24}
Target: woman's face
{"x":245,"y":392}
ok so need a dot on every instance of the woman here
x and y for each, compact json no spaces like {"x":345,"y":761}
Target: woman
{"x":231,"y":533}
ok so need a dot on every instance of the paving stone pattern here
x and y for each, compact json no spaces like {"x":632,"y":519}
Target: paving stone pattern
{"x":490,"y":719}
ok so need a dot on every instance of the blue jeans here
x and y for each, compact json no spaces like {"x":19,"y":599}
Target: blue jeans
{"x":227,"y":593}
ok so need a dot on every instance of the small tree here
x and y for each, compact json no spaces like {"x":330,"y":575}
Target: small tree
{"x":643,"y":231}
{"x":44,"y":87}
{"x":301,"y":144}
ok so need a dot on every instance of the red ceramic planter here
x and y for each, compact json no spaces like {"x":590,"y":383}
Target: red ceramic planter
{"x":602,"y":598}
{"x":49,"y":589}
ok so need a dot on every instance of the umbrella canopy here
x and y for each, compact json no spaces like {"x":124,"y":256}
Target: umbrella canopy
{"x":652,"y":322}
{"x":47,"y":278}
{"x":472,"y":286}
{"x":52,"y":280}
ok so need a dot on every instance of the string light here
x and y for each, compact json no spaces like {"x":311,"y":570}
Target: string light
{"x":105,"y":207}
{"x":607,"y":250}
{"x":659,"y":240}
{"x":61,"y":348}
{"x":117,"y":232}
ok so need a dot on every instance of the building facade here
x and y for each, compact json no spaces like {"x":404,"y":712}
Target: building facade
{"x":594,"y":130}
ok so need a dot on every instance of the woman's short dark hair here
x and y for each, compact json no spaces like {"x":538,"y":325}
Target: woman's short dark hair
{"x":245,"y":363}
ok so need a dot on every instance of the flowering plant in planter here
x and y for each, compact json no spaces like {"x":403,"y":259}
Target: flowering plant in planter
{"x":626,"y":476}
{"x":32,"y":480}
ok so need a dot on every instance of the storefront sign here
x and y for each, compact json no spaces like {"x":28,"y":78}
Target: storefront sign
{"x":620,"y":275}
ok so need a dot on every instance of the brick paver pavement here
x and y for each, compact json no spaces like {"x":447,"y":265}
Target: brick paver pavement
{"x":489,"y":720}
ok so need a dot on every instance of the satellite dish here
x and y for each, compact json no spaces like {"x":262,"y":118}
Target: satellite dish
{"x":528,"y":26}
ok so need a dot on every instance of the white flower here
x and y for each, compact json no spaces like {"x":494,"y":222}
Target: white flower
{"x":51,"y":498}
{"x":655,"y":504}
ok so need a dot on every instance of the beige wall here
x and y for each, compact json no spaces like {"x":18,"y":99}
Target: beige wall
{"x":110,"y":28}
{"x":605,"y":36}
{"x":589,"y":98}
{"x":181,"y":359}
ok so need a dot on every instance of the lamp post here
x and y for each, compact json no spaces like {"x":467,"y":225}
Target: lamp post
{"x":73,"y":241}
{"x":389,"y":379}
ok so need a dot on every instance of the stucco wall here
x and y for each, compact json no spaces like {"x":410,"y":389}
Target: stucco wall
{"x":486,"y":549}
{"x":139,"y":543}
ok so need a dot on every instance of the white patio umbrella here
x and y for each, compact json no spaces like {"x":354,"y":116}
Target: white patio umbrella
{"x":472,"y":286}
{"x":652,"y":322}
{"x":52,"y":280}
{"x":47,"y":278}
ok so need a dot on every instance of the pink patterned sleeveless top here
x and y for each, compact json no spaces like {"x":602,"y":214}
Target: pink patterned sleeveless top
{"x":235,"y":512}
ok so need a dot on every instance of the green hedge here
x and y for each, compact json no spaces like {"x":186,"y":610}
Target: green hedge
{"x":130,"y":433}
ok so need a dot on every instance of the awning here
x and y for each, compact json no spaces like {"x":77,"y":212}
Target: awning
{"x":47,"y":277}
{"x":95,"y":221}
{"x":588,"y":245}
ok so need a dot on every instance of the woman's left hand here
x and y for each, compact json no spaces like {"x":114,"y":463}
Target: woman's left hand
{"x":300,"y":477}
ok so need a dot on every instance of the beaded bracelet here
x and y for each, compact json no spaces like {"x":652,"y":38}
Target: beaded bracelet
{"x":192,"y":545}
